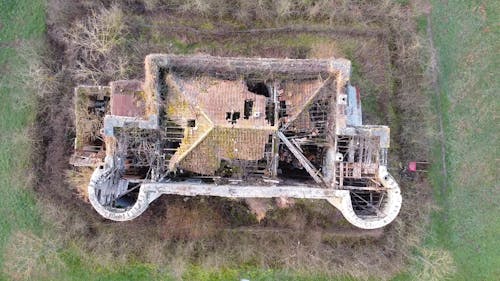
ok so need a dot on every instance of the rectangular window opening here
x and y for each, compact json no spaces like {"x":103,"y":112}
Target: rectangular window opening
{"x":232,"y":116}
{"x":282,"y":111}
{"x":247,"y":112}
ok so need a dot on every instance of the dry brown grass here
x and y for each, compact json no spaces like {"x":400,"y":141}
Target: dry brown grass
{"x":27,"y":256}
{"x":202,"y":231}
{"x":435,"y":265}
{"x":79,"y":179}
{"x":190,"y":224}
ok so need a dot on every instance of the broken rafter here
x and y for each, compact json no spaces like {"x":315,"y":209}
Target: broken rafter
{"x":315,"y":173}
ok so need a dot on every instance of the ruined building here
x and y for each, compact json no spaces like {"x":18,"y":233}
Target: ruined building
{"x":234,"y":127}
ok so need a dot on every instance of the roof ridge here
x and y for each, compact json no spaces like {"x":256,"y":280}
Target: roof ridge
{"x":181,"y":154}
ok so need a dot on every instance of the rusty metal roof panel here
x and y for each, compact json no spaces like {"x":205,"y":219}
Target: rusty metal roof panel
{"x":127,"y":98}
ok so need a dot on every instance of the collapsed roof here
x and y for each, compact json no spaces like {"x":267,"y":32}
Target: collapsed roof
{"x":234,"y":127}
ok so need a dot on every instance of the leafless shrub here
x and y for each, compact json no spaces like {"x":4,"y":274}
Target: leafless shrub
{"x":283,"y":8}
{"x":95,"y":44}
{"x":197,"y":6}
{"x":435,"y":265}
{"x":318,"y":9}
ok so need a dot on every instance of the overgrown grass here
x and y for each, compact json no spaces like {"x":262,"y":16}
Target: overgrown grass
{"x":467,"y":43}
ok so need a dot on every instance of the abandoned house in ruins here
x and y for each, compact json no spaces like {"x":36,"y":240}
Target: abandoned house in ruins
{"x":234,"y":127}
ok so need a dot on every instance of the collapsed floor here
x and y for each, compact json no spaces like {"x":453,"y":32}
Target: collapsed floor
{"x":202,"y":230}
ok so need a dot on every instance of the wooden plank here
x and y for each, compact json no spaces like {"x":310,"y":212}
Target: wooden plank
{"x":315,"y":174}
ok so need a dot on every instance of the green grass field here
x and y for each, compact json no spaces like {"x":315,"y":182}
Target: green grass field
{"x":467,"y":42}
{"x":18,"y":22}
{"x":467,"y":224}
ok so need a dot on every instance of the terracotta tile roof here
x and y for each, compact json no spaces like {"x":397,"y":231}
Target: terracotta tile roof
{"x":216,"y":99}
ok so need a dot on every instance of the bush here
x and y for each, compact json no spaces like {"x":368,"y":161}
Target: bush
{"x":95,"y":44}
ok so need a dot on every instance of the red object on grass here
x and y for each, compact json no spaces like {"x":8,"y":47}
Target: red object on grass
{"x":412,"y":166}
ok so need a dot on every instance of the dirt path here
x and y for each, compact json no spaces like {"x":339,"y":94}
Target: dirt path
{"x":286,"y":29}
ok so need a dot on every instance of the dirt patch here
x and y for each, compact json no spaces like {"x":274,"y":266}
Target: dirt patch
{"x":311,"y":235}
